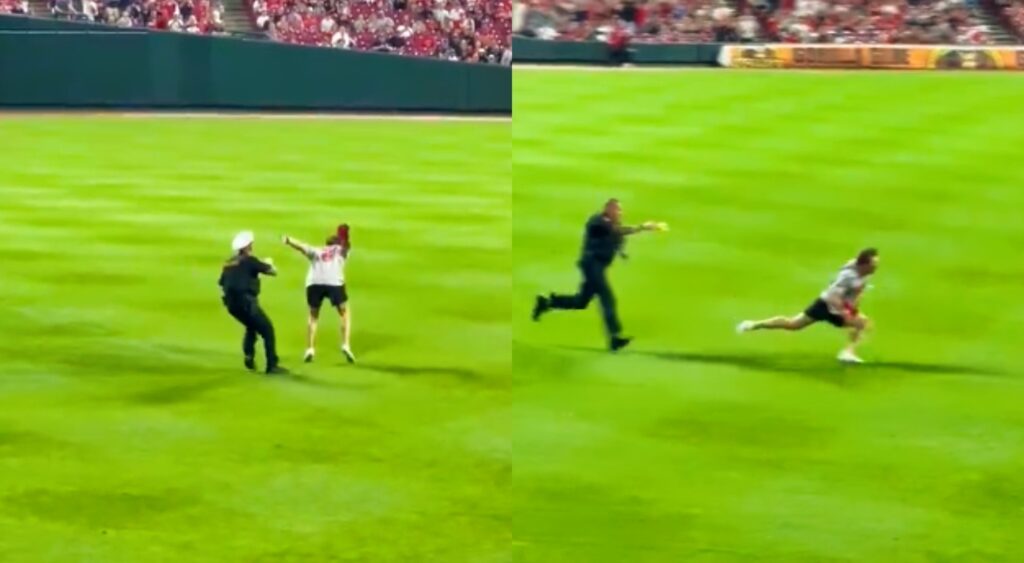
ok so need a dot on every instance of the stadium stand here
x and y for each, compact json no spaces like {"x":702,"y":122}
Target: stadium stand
{"x":458,"y":30}
{"x":464,"y":30}
{"x":1011,"y":14}
{"x":678,"y":21}
{"x":796,"y":21}
{"x":189,"y":16}
{"x":875,"y":21}
{"x":19,"y":7}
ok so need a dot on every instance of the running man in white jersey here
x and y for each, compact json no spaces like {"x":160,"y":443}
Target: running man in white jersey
{"x":837,"y":305}
{"x":326,"y":280}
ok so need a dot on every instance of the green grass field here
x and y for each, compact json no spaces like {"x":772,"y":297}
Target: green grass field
{"x":129,"y":431}
{"x":700,"y":445}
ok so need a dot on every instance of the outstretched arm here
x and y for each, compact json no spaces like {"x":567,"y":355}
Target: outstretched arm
{"x":298,"y":245}
{"x":646,"y":226}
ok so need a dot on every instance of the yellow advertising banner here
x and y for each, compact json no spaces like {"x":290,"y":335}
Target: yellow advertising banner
{"x":905,"y":57}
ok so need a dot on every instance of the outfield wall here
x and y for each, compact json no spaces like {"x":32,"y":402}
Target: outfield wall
{"x":52,"y":64}
{"x":539,"y":51}
{"x":899,"y":57}
{"x":903,"y":57}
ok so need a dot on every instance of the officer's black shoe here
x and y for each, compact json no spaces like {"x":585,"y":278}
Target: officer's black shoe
{"x":250,"y":363}
{"x":277,"y":370}
{"x":540,"y":307}
{"x":618,"y":343}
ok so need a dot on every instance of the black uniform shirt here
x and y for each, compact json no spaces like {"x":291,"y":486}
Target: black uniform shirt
{"x":241,"y":275}
{"x":601,"y":241}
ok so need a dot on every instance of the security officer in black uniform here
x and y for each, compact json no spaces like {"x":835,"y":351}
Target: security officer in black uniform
{"x":603,"y":240}
{"x":240,"y":280}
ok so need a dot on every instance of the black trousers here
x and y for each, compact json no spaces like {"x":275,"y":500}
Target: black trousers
{"x":246,"y":309}
{"x":619,"y":56}
{"x":595,"y":283}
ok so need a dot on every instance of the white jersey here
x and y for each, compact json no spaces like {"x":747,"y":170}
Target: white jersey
{"x":847,"y":285}
{"x":326,"y":265}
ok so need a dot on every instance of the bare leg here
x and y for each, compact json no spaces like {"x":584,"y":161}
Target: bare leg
{"x":858,"y":326}
{"x":783,"y":323}
{"x":346,"y":331}
{"x":314,"y":316}
{"x":346,"y":324}
{"x":311,"y":326}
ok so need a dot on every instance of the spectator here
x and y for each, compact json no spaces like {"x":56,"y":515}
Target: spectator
{"x":62,"y":9}
{"x":259,"y":8}
{"x":21,"y":8}
{"x":216,"y":23}
{"x":518,"y":16}
{"x":747,"y":28}
{"x":341,"y":39}
{"x":328,"y":25}
{"x":540,"y":24}
{"x":618,"y":43}
{"x":1010,"y":13}
{"x":90,"y":10}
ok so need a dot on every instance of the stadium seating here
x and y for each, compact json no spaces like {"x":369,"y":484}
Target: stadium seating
{"x":874,"y":21}
{"x":190,"y":16}
{"x":663,"y":21}
{"x":797,"y":21}
{"x":467,"y":30}
{"x":14,"y":7}
{"x":1012,"y":14}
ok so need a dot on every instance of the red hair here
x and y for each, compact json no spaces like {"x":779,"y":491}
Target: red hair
{"x":343,"y":237}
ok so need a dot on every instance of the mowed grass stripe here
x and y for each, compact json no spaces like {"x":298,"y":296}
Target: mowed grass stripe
{"x":701,"y":445}
{"x":128,"y":428}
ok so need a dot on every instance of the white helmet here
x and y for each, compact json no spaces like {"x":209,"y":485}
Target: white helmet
{"x":242,"y":240}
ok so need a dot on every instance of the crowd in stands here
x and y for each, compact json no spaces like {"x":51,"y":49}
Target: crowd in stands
{"x":1012,"y":13}
{"x":458,"y":30}
{"x":18,"y":7}
{"x":796,"y":21}
{"x":190,"y":16}
{"x":873,"y":21}
{"x":462,"y":30}
{"x":660,"y":21}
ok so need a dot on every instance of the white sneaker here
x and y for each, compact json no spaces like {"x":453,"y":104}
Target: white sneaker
{"x":309,"y":355}
{"x":848,"y":357}
{"x":348,"y":354}
{"x":745,"y":326}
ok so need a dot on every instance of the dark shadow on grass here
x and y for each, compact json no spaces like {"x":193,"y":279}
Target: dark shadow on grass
{"x":462,"y":374}
{"x":173,"y":394}
{"x":371,"y":342}
{"x":936,"y":369}
{"x":295,"y":377}
{"x":169,"y":395}
{"x":591,"y":349}
{"x":804,"y":365}
{"x":807,"y":365}
{"x":302,"y":379}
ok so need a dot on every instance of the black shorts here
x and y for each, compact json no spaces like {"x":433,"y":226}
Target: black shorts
{"x":819,"y":311}
{"x":315,"y":295}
